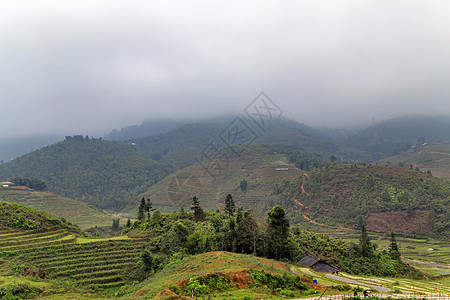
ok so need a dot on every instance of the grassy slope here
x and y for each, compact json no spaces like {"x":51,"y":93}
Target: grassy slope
{"x":206,"y":263}
{"x":80,"y":213}
{"x":238,"y":265}
{"x":257,"y":167}
{"x":18,"y":216}
{"x":435,"y":158}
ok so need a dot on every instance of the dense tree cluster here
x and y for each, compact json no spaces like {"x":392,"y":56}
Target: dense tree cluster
{"x":181,"y":233}
{"x":32,"y":183}
{"x":102,"y":173}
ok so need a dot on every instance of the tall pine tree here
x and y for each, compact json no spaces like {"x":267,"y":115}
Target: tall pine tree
{"x":141,"y":210}
{"x":199,"y":214}
{"x":365,"y":245}
{"x":393,"y":248}
{"x":230,"y":207}
{"x":149,"y":208}
{"x":277,"y":231}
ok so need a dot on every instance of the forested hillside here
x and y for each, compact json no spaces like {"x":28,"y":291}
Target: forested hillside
{"x":385,"y":198}
{"x":147,"y":128}
{"x":102,"y":173}
{"x":434,"y":158}
{"x":183,"y":146}
{"x":399,"y":134}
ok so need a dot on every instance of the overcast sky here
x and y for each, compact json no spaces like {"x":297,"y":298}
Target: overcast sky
{"x":87,"y":67}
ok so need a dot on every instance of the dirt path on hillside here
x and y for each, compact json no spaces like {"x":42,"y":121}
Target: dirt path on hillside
{"x":302,"y":187}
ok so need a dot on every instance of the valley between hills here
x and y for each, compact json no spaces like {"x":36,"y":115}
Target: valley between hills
{"x":144,"y":218}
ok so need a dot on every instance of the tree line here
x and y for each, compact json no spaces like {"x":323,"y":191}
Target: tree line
{"x":236,"y":230}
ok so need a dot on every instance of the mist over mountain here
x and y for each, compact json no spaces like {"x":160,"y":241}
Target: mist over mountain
{"x":16,"y":146}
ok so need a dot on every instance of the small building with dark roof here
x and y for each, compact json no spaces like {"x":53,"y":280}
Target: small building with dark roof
{"x":317,"y":265}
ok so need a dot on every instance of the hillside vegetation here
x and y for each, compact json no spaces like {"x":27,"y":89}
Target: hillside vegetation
{"x":259,"y":168}
{"x":172,"y":235}
{"x":385,"y":198}
{"x":22,"y":217}
{"x":102,"y":173}
{"x":432,"y":157}
{"x":45,"y":248}
{"x":77,"y":212}
{"x":397,"y":135}
{"x":182,"y":146}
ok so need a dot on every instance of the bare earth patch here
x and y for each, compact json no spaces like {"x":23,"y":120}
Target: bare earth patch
{"x":399,"y":221}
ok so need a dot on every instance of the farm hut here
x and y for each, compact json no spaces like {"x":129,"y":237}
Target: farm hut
{"x":317,"y":265}
{"x":6,"y":184}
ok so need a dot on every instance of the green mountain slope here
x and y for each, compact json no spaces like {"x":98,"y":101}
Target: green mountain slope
{"x":21,"y":217}
{"x":385,"y":198}
{"x":182,"y":146}
{"x":146,"y":128}
{"x":399,"y":134}
{"x":77,"y":212}
{"x":102,"y":173}
{"x":432,"y":157}
{"x":261,"y":166}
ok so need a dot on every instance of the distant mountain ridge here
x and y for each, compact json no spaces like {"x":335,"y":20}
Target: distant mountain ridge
{"x":146,"y":128}
{"x":396,"y":135}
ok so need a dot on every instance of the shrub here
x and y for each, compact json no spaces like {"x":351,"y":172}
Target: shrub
{"x":175,"y":288}
{"x":287,"y":293}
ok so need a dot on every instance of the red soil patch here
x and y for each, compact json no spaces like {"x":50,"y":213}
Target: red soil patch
{"x":166,"y":293}
{"x":239,"y":278}
{"x":400,"y":221}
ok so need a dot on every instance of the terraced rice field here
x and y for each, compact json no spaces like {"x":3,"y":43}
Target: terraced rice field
{"x":57,"y":255}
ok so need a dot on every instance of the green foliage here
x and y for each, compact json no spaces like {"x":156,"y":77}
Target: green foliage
{"x":199,"y":214}
{"x":230,"y":207}
{"x":147,"y":260}
{"x":17,"y":291}
{"x":19,"y":216}
{"x":393,"y":248}
{"x":141,"y":210}
{"x":177,"y":234}
{"x":32,"y":183}
{"x":102,"y":173}
{"x":277,"y":231}
{"x":115,"y":224}
{"x":175,"y":288}
{"x":199,"y":288}
{"x":243,"y":185}
{"x":287,"y":293}
{"x":349,"y":258}
{"x":365,"y":246}
{"x":275,"y":281}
